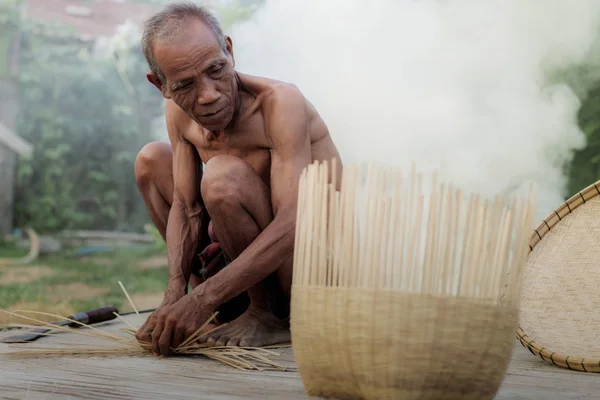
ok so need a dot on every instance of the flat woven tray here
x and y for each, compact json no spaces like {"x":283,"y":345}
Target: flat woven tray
{"x":560,"y":306}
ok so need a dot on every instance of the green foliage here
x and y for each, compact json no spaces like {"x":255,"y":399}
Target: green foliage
{"x":87,"y":113}
{"x":238,"y":11}
{"x":9,"y":29}
{"x":101,"y":271}
{"x":9,"y":10}
{"x":5,"y":41}
{"x":87,"y":118}
{"x":585,"y":167}
{"x":159,"y":242}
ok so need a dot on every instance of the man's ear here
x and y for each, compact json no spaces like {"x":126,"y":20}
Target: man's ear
{"x":229,"y":43}
{"x":155,"y":80}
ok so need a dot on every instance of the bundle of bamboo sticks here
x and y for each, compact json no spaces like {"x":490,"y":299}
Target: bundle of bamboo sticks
{"x":97,"y":342}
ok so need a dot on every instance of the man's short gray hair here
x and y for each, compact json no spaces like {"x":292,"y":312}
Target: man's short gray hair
{"x":167,"y":23}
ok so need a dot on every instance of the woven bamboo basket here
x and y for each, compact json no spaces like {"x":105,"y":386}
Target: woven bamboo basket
{"x":560,"y":310}
{"x":394,"y":297}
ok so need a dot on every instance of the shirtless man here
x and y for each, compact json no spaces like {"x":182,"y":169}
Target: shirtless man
{"x":254,"y":136}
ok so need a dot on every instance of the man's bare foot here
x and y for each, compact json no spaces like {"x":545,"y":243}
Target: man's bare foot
{"x":254,"y":328}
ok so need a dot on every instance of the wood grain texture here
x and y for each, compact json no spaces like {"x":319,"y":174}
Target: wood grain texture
{"x":186,"y":378}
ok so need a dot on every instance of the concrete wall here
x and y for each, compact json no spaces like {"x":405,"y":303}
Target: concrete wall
{"x":7,"y":175}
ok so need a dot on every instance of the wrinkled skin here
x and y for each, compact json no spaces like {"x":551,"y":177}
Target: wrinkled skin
{"x":255,"y":136}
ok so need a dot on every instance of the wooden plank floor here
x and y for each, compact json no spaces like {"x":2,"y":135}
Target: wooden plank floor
{"x":199,"y":378}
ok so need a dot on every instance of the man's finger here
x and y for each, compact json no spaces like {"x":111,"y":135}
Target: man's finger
{"x":147,"y":328}
{"x":139,"y":335}
{"x":179,"y":336}
{"x":165,"y":338}
{"x":146,"y":335}
{"x":156,"y":334}
{"x":143,"y":331}
{"x":149,"y":322}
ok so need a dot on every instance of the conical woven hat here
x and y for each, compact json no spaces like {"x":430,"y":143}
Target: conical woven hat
{"x":560,"y":305}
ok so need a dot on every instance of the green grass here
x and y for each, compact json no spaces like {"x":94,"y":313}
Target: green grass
{"x":101,"y":271}
{"x":12,"y":252}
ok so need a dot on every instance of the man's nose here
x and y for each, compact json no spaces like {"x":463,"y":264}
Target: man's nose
{"x":208,"y":94}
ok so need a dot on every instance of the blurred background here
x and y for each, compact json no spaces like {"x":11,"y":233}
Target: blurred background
{"x":497,"y":94}
{"x":75,"y":108}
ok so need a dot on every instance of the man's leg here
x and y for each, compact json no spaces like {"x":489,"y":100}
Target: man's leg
{"x":239,"y":204}
{"x":154,"y":178}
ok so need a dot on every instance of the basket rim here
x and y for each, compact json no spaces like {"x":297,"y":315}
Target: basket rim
{"x":567,"y":361}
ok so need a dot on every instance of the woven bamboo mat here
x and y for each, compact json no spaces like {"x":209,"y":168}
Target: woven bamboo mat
{"x":560,"y":309}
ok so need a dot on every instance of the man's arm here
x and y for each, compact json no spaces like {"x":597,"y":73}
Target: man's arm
{"x":187,"y":214}
{"x":184,"y":225}
{"x":287,"y":125}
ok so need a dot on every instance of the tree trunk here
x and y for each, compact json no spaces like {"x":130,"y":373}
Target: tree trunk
{"x":9,"y":87}
{"x":7,"y":168}
{"x":121,"y":206}
{"x":9,"y":110}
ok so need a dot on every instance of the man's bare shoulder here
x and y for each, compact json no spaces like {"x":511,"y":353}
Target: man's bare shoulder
{"x":272,"y":92}
{"x":260,"y":84}
{"x":280,"y":100}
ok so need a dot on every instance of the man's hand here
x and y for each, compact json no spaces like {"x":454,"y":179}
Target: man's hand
{"x":174,"y":323}
{"x":172,"y":295}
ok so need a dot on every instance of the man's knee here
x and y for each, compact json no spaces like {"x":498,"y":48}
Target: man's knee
{"x":154,"y":156}
{"x":223,"y":179}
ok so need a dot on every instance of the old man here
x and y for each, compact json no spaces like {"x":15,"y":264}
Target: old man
{"x":223,"y":193}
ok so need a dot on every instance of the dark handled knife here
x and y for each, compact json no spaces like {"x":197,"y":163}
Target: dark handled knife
{"x":95,"y":316}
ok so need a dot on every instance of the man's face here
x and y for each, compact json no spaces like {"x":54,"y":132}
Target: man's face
{"x":199,"y":76}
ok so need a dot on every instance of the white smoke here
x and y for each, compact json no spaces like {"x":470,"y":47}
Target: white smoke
{"x":456,"y":85}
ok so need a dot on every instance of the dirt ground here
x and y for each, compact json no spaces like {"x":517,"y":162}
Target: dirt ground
{"x":63,"y":286}
{"x":24,"y":274}
{"x":63,"y":309}
{"x":153,"y":262}
{"x":144,"y":301}
{"x":75,"y":291}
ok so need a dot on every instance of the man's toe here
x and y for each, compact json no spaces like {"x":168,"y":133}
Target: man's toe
{"x":233,"y":342}
{"x":212,"y":340}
